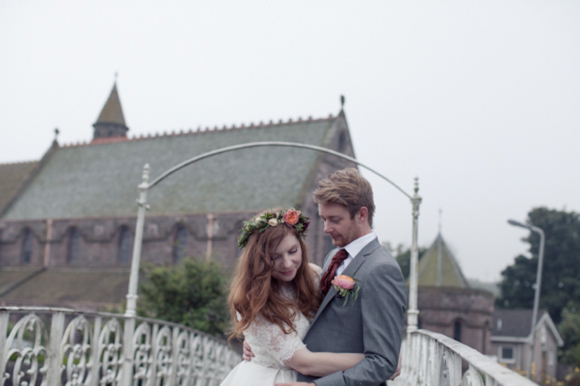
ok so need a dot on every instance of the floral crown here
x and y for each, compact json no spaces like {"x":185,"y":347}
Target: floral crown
{"x":291,"y":217}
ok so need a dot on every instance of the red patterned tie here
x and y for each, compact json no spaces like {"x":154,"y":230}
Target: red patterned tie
{"x":337,"y":259}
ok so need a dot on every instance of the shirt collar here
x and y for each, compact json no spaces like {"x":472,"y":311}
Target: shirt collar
{"x":355,"y":246}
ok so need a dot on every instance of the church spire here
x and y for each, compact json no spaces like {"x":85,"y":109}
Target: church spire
{"x":111,"y":121}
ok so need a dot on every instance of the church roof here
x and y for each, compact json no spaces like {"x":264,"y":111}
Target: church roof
{"x":100,"y":179}
{"x":12,"y":178}
{"x":439,"y":268}
{"x":112,"y":111}
{"x":89,"y":289}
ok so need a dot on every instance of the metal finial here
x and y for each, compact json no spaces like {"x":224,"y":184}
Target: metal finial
{"x":56,"y":133}
{"x":145,"y":177}
{"x":116,"y":75}
{"x":440,"y":219}
{"x":342,"y":99}
{"x":416,"y":185}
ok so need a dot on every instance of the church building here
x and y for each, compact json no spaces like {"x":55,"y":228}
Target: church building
{"x":448,"y":304}
{"x":67,"y":221}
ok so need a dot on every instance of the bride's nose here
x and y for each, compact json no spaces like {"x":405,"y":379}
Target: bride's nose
{"x":286,"y":262}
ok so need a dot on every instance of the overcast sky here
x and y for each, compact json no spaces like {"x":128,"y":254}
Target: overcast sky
{"x":480,"y":100}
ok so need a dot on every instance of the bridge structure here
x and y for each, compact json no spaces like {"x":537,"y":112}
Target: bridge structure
{"x":59,"y":346}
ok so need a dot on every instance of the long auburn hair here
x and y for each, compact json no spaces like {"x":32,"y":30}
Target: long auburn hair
{"x":254,"y":292}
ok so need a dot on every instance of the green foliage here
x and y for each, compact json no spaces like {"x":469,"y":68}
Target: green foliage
{"x":403,"y":256}
{"x":569,"y":329}
{"x":192,"y":293}
{"x":561,"y":271}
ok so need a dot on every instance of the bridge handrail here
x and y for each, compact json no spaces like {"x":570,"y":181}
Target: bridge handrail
{"x":429,"y":358}
{"x":56,"y":345}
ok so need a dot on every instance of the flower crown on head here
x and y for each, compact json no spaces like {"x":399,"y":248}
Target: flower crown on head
{"x":290,"y":217}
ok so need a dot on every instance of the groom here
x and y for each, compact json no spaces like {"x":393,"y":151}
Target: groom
{"x":373,"y":324}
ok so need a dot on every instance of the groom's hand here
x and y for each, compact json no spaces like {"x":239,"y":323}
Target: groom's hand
{"x":295,"y":384}
{"x":248,"y":354}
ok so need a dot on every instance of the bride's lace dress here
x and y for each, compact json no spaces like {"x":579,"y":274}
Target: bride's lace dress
{"x":272,"y":348}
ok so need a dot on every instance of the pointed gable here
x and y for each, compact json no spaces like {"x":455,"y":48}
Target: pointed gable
{"x":439,"y":268}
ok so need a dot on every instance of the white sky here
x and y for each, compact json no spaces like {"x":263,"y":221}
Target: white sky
{"x":480,"y":100}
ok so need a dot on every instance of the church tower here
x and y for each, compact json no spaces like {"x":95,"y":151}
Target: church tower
{"x":111,"y":122}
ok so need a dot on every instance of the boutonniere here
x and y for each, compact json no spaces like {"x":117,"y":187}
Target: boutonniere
{"x":346,"y":286}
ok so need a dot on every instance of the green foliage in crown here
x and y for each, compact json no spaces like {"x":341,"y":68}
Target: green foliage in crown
{"x":290,"y":217}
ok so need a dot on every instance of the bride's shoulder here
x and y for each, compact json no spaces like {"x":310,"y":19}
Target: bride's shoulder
{"x":316,"y":269}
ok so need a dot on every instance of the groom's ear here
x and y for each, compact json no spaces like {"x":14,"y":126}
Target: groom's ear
{"x":363,"y":215}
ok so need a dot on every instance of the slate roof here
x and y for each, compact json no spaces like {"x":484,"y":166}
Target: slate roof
{"x":12,"y":177}
{"x":450,"y":274}
{"x":112,"y":111}
{"x":514,"y":323}
{"x":85,"y":289}
{"x":101,"y":178}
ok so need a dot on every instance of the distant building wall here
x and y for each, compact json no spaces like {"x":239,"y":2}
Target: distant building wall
{"x":459,"y":313}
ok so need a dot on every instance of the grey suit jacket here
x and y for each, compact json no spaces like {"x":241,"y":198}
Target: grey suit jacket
{"x":373,"y":325}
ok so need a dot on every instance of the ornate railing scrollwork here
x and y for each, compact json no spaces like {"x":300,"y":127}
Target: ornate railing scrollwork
{"x":84,"y":348}
{"x":433,"y":359}
{"x":26,"y":348}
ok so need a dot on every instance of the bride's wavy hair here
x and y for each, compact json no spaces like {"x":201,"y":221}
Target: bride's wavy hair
{"x":253,"y":290}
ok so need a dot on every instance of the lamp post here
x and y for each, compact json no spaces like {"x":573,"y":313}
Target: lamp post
{"x":538,"y":284}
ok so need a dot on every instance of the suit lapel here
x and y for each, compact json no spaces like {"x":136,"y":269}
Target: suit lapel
{"x":351,"y":270}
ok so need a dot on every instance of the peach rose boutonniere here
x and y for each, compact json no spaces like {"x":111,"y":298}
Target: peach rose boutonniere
{"x":346,"y":287}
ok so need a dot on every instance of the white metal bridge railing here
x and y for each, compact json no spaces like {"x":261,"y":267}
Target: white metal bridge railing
{"x":59,"y":346}
{"x":433,"y":359}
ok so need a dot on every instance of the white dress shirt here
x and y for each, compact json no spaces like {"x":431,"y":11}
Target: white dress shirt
{"x":353,"y":248}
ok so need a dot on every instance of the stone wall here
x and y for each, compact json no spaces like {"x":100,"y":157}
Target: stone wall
{"x":442,"y":307}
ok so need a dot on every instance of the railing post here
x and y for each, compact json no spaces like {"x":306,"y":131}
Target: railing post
{"x":4,"y":316}
{"x":95,"y":350}
{"x":413,"y":312}
{"x":54,"y":345}
{"x":134,"y":278}
{"x":127,"y":352}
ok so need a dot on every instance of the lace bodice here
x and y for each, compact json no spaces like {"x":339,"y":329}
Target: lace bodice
{"x":271,"y":346}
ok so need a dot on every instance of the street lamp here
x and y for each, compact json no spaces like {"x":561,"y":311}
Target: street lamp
{"x":538,"y":284}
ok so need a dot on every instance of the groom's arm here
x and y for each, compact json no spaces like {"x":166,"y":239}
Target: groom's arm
{"x":383,"y":303}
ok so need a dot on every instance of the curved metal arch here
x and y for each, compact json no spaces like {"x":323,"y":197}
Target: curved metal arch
{"x":265,"y":144}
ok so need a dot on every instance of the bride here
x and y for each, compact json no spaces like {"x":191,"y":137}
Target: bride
{"x":273,"y":296}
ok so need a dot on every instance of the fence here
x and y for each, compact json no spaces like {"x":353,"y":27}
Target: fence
{"x":58,"y":346}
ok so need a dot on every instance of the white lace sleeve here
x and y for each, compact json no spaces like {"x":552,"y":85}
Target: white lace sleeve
{"x":271,"y":337}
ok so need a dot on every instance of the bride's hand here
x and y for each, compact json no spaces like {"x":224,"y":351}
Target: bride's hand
{"x":248,"y":354}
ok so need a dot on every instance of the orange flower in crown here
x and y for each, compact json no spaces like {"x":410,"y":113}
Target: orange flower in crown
{"x":292,"y":216}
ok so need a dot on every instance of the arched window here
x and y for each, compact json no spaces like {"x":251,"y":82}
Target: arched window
{"x":457,"y":331}
{"x":73,"y":245}
{"x":180,"y":244}
{"x":342,"y":141}
{"x":125,"y":245}
{"x":27,"y":246}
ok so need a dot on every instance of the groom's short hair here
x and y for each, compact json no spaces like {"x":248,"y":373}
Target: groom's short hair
{"x":347,"y":187}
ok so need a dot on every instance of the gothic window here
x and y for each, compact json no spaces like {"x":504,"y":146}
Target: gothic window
{"x":27,"y":246}
{"x":125,"y":246}
{"x":180,"y":244}
{"x":457,"y":331}
{"x":73,"y":245}
{"x":342,"y":141}
{"x":419,"y":323}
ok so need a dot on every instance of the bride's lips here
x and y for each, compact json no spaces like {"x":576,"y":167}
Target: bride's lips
{"x":287,"y":273}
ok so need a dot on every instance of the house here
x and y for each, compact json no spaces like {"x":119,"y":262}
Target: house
{"x":511,"y":340}
{"x":67,"y":222}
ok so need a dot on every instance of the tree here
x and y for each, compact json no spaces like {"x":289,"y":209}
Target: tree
{"x":192,"y":293}
{"x":561,"y":269}
{"x":570,"y":331}
{"x":403,"y":256}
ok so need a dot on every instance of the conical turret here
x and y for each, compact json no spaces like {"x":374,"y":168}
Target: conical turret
{"x":111,"y":122}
